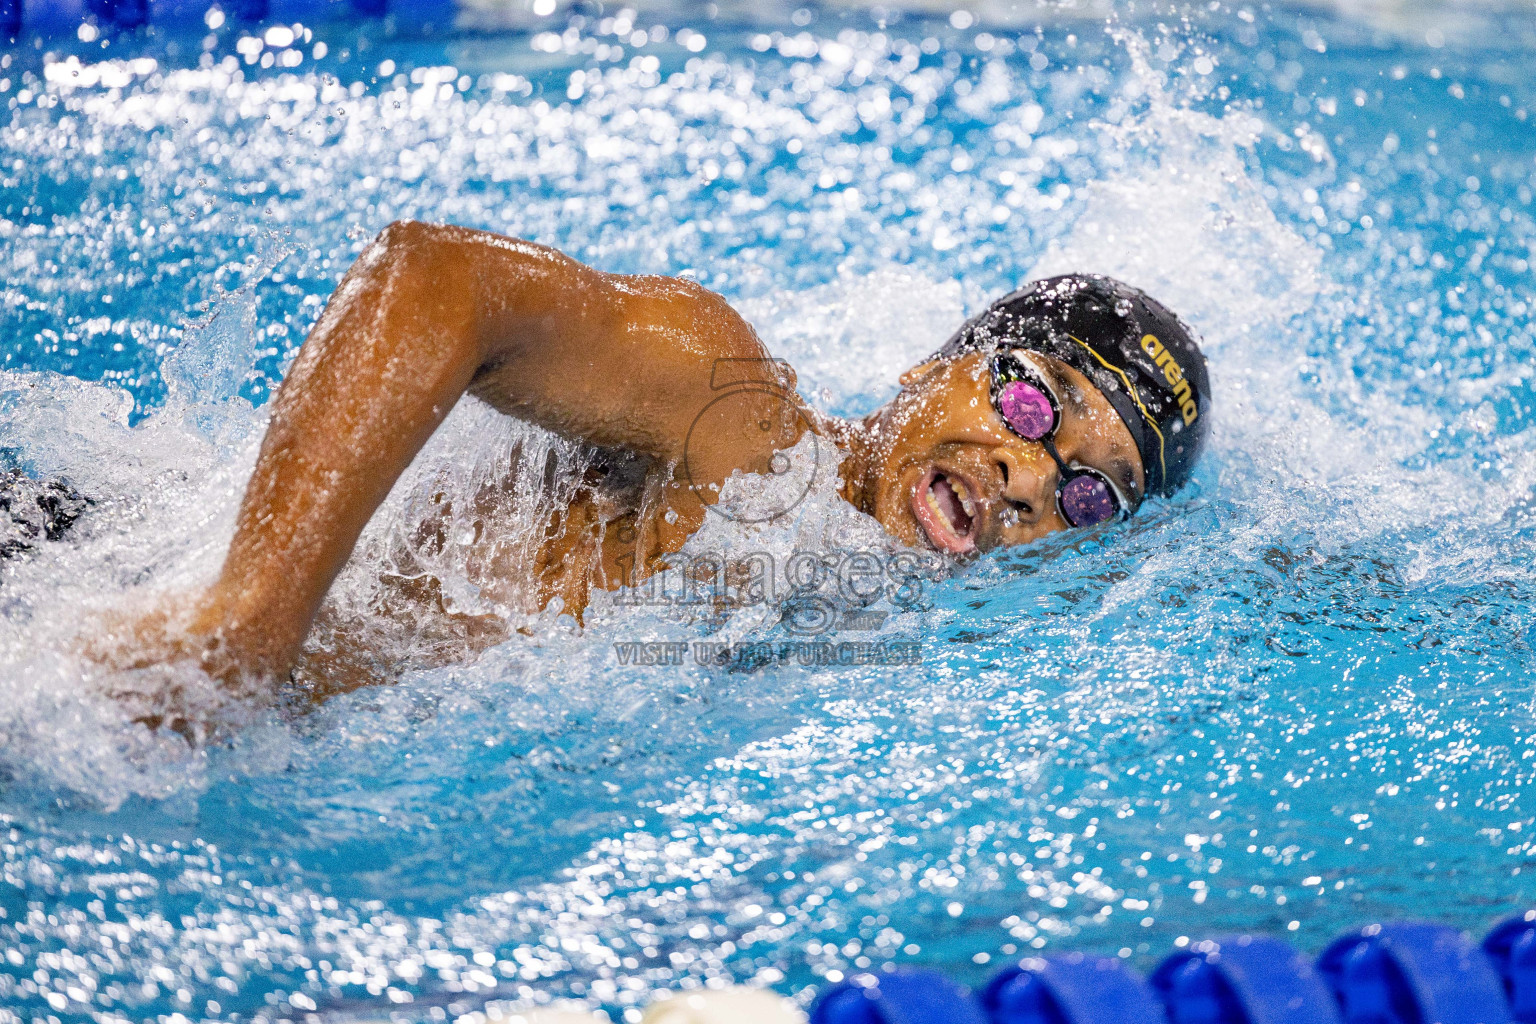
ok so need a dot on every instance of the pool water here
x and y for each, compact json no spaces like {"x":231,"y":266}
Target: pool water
{"x":1295,"y":698}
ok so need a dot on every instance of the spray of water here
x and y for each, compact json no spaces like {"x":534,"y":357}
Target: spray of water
{"x":758,"y":820}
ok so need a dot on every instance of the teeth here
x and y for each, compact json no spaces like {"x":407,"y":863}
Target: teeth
{"x":933,"y":503}
{"x":960,"y":492}
{"x":965,"y":497}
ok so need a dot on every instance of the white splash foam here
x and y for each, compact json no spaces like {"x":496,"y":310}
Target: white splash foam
{"x":851,"y":338}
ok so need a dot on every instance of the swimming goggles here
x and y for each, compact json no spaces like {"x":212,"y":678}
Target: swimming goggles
{"x":1084,"y":496}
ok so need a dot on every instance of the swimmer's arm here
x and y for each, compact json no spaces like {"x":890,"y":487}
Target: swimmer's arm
{"x":426,"y":314}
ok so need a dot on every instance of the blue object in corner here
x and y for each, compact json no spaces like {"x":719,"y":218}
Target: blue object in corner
{"x":127,"y":14}
{"x":1243,"y":979}
{"x":10,"y":19}
{"x":1413,"y":973}
{"x":898,"y":997}
{"x":249,"y":11}
{"x":1512,"y":948}
{"x":1070,"y":989}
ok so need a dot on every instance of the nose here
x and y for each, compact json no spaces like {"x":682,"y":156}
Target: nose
{"x":1029,"y":479}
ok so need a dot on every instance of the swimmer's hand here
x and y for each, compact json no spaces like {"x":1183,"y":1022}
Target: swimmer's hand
{"x":182,"y":665}
{"x":193,"y":632}
{"x":190,"y":664}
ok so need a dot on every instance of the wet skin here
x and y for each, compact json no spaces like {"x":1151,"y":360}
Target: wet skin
{"x":630,"y":364}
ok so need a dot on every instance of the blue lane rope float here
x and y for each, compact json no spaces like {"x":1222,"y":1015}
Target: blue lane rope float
{"x":1246,"y":978}
{"x":1400,"y":973}
{"x":1410,"y":972}
{"x":48,"y":18}
{"x":898,"y":997}
{"x":1066,"y":990}
{"x":1511,"y":946}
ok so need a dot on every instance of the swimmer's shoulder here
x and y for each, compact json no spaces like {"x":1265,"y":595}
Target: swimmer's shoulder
{"x":685,"y":316}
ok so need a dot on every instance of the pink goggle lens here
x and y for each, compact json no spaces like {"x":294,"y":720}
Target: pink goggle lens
{"x":1087,"y":501}
{"x":1026,"y":410}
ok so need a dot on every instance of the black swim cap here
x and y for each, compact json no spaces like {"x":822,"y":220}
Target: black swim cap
{"x":1141,"y":356}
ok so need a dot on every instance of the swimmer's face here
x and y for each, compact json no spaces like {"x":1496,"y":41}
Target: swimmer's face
{"x":943,"y":469}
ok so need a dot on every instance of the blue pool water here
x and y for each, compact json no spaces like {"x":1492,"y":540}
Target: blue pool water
{"x":1295,"y":698}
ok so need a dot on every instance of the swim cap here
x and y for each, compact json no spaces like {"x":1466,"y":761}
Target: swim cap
{"x":1141,"y":356}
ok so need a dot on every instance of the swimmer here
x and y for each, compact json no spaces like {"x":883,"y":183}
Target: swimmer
{"x":1064,"y":404}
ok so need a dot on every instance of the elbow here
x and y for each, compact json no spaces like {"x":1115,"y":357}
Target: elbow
{"x":411,"y":240}
{"x":406,"y":250}
{"x":419,"y":275}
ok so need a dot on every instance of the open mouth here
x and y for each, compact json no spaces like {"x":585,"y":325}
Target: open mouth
{"x":946,"y":511}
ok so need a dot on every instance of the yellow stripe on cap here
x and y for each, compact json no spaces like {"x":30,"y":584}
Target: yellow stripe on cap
{"x":1131,"y":390}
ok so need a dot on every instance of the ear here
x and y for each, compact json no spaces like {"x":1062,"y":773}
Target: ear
{"x":917,"y":372}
